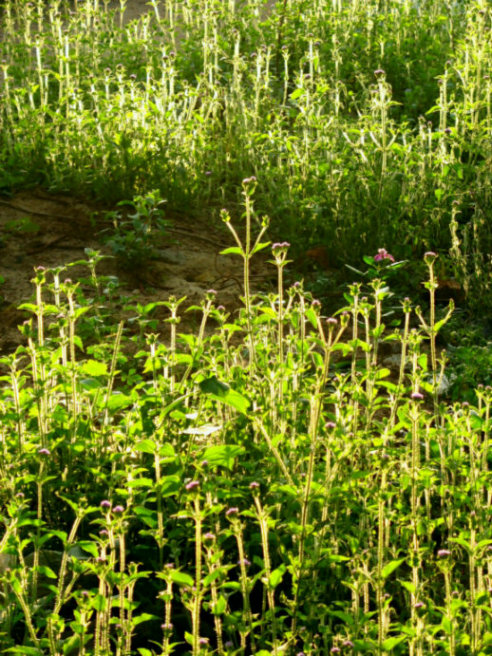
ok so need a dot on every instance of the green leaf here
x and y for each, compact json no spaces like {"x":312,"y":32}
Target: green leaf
{"x":145,"y":446}
{"x":44,"y":570}
{"x":276,"y":577}
{"x":223,"y":454}
{"x":169,"y":485}
{"x":391,"y":643}
{"x":259,"y":247}
{"x":297,"y":94}
{"x":117,"y":401}
{"x":233,"y":250}
{"x":409,"y":586}
{"x":181,"y":578}
{"x":345,"y":617}
{"x":89,"y":547}
{"x":220,"y":606}
{"x":94,"y":368}
{"x":143,"y":617}
{"x":447,"y":625}
{"x":140,"y":482}
{"x":167,"y":451}
{"x":222,"y":392}
{"x":390,"y":567}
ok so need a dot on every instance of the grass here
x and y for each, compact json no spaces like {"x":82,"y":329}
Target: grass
{"x":276,"y":481}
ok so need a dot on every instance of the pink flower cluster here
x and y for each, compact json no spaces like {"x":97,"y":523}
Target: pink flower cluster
{"x":383,"y":254}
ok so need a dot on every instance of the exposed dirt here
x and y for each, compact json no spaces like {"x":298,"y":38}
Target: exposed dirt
{"x":39,"y":229}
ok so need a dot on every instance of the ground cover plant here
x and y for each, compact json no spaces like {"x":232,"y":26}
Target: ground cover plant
{"x":261,"y":485}
{"x":366,"y":123}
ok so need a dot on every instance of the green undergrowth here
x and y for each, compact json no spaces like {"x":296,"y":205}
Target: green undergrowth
{"x":365,"y":123}
{"x":273,"y":482}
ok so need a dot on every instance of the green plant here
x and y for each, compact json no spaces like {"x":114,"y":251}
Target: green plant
{"x":134,"y":235}
{"x":194,"y":491}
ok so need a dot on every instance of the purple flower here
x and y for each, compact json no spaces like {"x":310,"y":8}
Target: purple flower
{"x":379,"y":71}
{"x":443,"y":553}
{"x":280,"y":245}
{"x":192,"y":485}
{"x":419,"y":604}
{"x":44,"y":452}
{"x":347,"y":643}
{"x":416,"y":396}
{"x":104,"y":531}
{"x":335,"y":650}
{"x":382,"y":255}
{"x":209,"y":536}
{"x":105,"y":503}
{"x":232,"y":511}
{"x":254,"y":485}
{"x":118,"y":509}
{"x":228,"y":644}
{"x":167,"y":627}
{"x":330,"y":425}
{"x":244,"y":562}
{"x":203,"y":641}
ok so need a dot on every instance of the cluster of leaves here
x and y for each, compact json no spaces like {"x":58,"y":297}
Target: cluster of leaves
{"x":266,"y":485}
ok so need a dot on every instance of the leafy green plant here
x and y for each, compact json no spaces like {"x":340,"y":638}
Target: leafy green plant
{"x":264,"y":485}
{"x":134,"y":235}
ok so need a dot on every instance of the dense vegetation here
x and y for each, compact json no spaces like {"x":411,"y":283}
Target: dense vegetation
{"x":276,"y":481}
